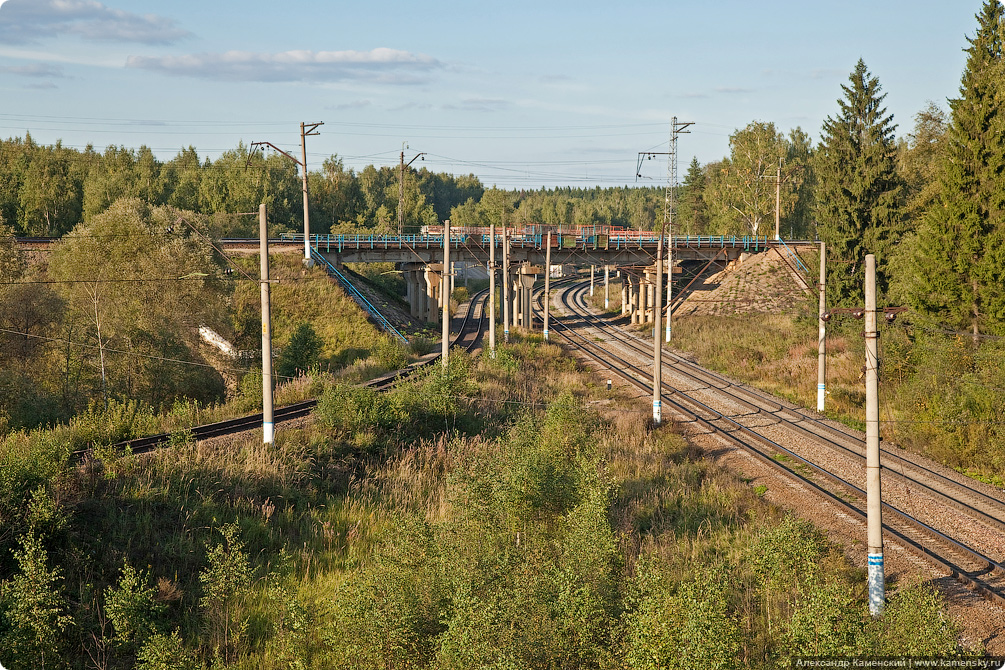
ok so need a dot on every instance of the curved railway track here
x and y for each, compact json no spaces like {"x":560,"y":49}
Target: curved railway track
{"x":756,"y":422}
{"x":469,"y":334}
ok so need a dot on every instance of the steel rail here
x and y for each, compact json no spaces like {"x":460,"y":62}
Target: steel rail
{"x":622,"y":368}
{"x":469,"y":334}
{"x":743,"y":396}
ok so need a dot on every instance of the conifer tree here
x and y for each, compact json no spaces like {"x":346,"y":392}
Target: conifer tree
{"x":958,"y":269}
{"x":858,"y":192}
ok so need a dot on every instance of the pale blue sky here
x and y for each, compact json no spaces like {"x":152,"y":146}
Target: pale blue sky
{"x":523,"y":94}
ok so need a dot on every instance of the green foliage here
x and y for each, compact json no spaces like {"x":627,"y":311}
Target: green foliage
{"x":132,"y":608}
{"x":914,"y":623}
{"x":387,"y":614}
{"x":859,"y":195}
{"x":739,"y":191}
{"x":167,"y":652}
{"x":679,"y":625}
{"x":950,"y":395}
{"x":827,"y":620}
{"x":111,"y":422}
{"x":530,"y":554}
{"x":35,"y":610}
{"x":137,"y":337}
{"x":359,"y":413}
{"x":301,"y":353}
{"x":956,"y":269}
{"x":226,"y":581}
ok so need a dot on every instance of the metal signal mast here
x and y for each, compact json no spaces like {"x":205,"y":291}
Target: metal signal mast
{"x":670,"y":203}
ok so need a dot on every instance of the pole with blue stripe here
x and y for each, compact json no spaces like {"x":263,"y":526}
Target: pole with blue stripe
{"x":873,"y":482}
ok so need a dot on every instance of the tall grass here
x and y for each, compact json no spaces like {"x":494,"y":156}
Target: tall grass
{"x":505,"y":512}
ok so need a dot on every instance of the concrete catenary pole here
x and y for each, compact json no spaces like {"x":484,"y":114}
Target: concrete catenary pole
{"x":307,"y":215}
{"x":306,"y":130}
{"x":822,"y":337}
{"x":874,"y":502}
{"x":492,"y":291}
{"x":547,"y":286}
{"x":505,"y":286}
{"x":607,"y":287}
{"x":445,"y":291}
{"x":268,"y":425}
{"x":658,"y":339}
{"x":778,"y":201}
{"x":591,"y":280}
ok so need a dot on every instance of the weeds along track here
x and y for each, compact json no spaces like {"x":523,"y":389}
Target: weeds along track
{"x":951,"y":523}
{"x":469,"y":334}
{"x":758,"y":409}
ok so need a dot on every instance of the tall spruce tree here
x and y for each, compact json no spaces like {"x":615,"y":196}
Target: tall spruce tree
{"x":957,"y":273}
{"x":858,"y":192}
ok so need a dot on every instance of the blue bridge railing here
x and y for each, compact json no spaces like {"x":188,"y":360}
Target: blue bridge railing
{"x":614,"y":241}
{"x":357,"y":296}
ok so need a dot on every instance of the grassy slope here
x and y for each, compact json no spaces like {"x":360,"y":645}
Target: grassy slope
{"x":486,"y":517}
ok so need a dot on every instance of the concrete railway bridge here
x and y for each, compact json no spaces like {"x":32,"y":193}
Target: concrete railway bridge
{"x":631,"y":254}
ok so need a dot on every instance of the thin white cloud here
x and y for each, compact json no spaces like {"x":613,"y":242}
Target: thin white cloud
{"x":381,"y":65}
{"x":481,"y":105}
{"x":35,"y":70}
{"x":30,"y":21}
{"x":353,"y":104}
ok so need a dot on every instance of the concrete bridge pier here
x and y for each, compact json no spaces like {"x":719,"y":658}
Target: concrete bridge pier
{"x":625,"y":302}
{"x":528,"y":275}
{"x":634,"y":297}
{"x":649,"y":314}
{"x":433,"y":292}
{"x":517,"y":295}
{"x":415,"y":287}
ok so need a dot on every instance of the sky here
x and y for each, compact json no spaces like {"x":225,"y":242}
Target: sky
{"x":523,"y":94}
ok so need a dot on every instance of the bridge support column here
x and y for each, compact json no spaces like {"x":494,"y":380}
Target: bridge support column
{"x":433,"y":286}
{"x":624,"y":296}
{"x":643,"y":305}
{"x":528,"y":275}
{"x":649,"y":314}
{"x":517,"y":300}
{"x":633,"y":297}
{"x":414,"y":289}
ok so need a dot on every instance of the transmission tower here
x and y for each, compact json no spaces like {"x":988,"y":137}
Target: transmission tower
{"x":670,"y":206}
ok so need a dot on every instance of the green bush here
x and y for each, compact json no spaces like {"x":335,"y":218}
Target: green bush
{"x":301,"y":354}
{"x":34,"y":609}
{"x":827,"y":620}
{"x":167,"y":652}
{"x":689,"y":624}
{"x":226,"y":582}
{"x":132,"y":608}
{"x":386,"y":614}
{"x":914,"y":623}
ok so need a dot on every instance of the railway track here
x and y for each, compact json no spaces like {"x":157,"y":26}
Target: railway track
{"x":758,"y":424}
{"x":469,"y":334}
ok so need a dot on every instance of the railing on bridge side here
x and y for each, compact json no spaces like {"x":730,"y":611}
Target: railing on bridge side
{"x":357,"y":296}
{"x":614,"y":241}
{"x":794,"y":256}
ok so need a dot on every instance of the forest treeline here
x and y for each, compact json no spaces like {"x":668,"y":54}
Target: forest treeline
{"x":133,"y":276}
